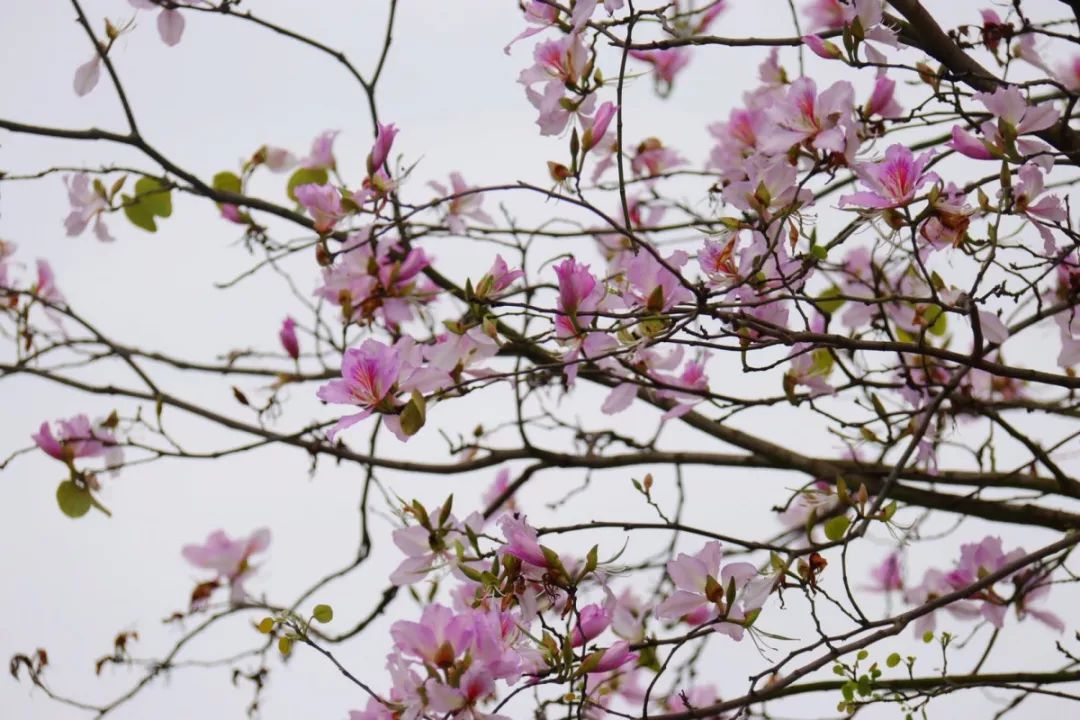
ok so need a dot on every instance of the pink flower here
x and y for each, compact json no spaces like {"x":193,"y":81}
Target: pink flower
{"x":613,"y":657}
{"x":654,"y":286}
{"x":276,"y":159}
{"x":1014,"y":119}
{"x":371,"y":377}
{"x":811,"y":368}
{"x":717,"y":261}
{"x":688,"y":388}
{"x":323,"y":203}
{"x":949,"y":220}
{"x":474,"y":685}
{"x":380,"y":151}
{"x":7,"y":249}
{"x":287,"y":335}
{"x":1008,"y":105}
{"x":968,"y":145}
{"x":540,"y":16}
{"x":893,"y":181}
{"x":1068,"y":74}
{"x":463,"y":204}
{"x":692,"y":698}
{"x":822,"y":48}
{"x":233,"y":214}
{"x":881,"y":100}
{"x":521,"y":540}
{"x":559,"y":65}
{"x":87,"y":204}
{"x":803,"y":115}
{"x":628,"y":616}
{"x":652,"y":158}
{"x":230,"y":559}
{"x":457,"y":353}
{"x":691,"y":575}
{"x":708,"y":17}
{"x":702,"y":589}
{"x":579,"y":294}
{"x":666,"y":64}
{"x":977,"y":560}
{"x":496,"y":490}
{"x":377,"y":279}
{"x":1042,"y":211}
{"x":826,"y":14}
{"x":597,"y":126}
{"x":887,"y":576}
{"x":374,"y":710}
{"x":736,"y":140}
{"x":818,"y":499}
{"x":497,"y":279}
{"x":592,"y":620}
{"x":993,"y":29}
{"x":934,"y":584}
{"x":322,"y":152}
{"x":562,"y":61}
{"x":771,"y":185}
{"x":439,"y":638}
{"x":77,"y":438}
{"x":87,"y":76}
{"x":45,"y":287}
{"x":1033,"y":586}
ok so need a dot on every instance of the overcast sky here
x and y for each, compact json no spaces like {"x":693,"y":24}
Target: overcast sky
{"x":70,"y":586}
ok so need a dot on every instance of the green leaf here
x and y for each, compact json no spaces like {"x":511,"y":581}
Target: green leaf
{"x":412,"y":417}
{"x":836,"y":527}
{"x":591,"y":559}
{"x":828,"y":302}
{"x":819,"y":252}
{"x":155,"y":195}
{"x":937,"y":320}
{"x":304,"y":176}
{"x":74,"y":501}
{"x":893,"y":660}
{"x":323,"y":613}
{"x":152,"y":199}
{"x":266,"y":625}
{"x":139,"y":215}
{"x":284,"y":645}
{"x":227,"y":182}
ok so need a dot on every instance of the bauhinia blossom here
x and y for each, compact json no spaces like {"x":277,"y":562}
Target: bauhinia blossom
{"x":323,"y":203}
{"x":804,"y":116}
{"x":497,"y":279}
{"x":463,"y":203}
{"x":893,"y":181}
{"x":229,"y":558}
{"x":321,"y":156}
{"x":377,"y":279}
{"x":372,"y":376}
{"x":87,"y":203}
{"x":666,"y":64}
{"x":287,"y":335}
{"x":77,"y":438}
{"x":703,"y":590}
{"x":1015,"y":118}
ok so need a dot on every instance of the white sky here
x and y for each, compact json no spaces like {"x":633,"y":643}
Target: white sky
{"x":227,"y":88}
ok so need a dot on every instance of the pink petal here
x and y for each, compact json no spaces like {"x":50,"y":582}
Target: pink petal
{"x":86,"y":76}
{"x":170,"y":25}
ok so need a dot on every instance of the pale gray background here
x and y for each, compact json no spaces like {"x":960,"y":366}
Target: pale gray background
{"x":228,"y":87}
